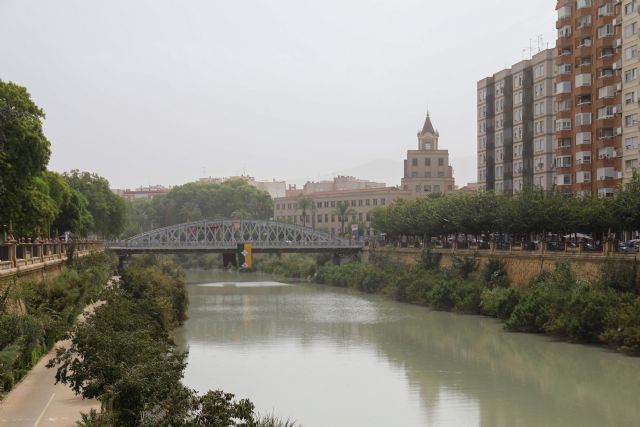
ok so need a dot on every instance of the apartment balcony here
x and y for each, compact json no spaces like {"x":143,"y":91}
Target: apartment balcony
{"x":582,"y":90}
{"x":607,"y":61}
{"x":562,"y":134}
{"x":563,"y":97}
{"x":582,"y":166}
{"x":608,"y":182}
{"x":584,"y":31}
{"x":564,"y":151}
{"x":561,"y":22}
{"x":607,"y":41}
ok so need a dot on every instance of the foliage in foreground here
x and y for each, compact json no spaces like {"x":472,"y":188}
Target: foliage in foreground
{"x":124,"y":356}
{"x":555,"y":303}
{"x":34,"y":315}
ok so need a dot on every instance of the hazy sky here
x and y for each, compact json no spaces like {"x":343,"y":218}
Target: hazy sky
{"x":166,"y":91}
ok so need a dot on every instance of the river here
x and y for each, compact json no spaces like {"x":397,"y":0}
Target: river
{"x":330,"y":357}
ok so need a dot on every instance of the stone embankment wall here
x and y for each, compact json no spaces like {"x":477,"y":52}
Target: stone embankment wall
{"x":521,"y":266}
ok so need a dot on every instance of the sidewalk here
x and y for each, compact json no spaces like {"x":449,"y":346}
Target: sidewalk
{"x":36,"y":401}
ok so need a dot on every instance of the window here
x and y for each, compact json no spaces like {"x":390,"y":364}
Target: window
{"x":517,"y":98}
{"x":564,"y":31}
{"x":517,"y":133}
{"x":630,"y":7}
{"x":564,"y":12}
{"x":482,"y":142}
{"x":436,"y":188}
{"x":606,"y":10}
{"x":383,"y":202}
{"x":583,"y":119}
{"x":375,"y":202}
{"x":517,"y":79}
{"x":630,"y":97}
{"x":564,"y":179}
{"x":367,"y":202}
{"x":440,"y":161}
{"x":353,"y":203}
{"x":563,"y":161}
{"x":427,"y":174}
{"x":414,"y":174}
{"x":538,"y":108}
{"x":538,"y":127}
{"x":333,"y":204}
{"x":630,"y":120}
{"x":563,"y":87}
{"x":414,"y":162}
{"x":583,"y":138}
{"x":581,"y":4}
{"x":278,"y":207}
{"x":631,"y":52}
{"x":563,"y":124}
{"x":538,"y":90}
{"x":427,"y":189}
{"x":584,"y":21}
{"x":499,"y":105}
{"x":427,"y":161}
{"x":606,"y":112}
{"x":319,"y":219}
{"x":359,"y":202}
{"x":517,"y":115}
{"x":631,"y":143}
{"x":630,"y":75}
{"x":583,"y":157}
{"x":440,"y":174}
{"x":499,"y":139}
{"x":418,"y":188}
{"x":499,"y":122}
{"x":606,"y":92}
{"x":605,"y":31}
{"x":319,"y":205}
{"x":538,"y":145}
{"x":631,"y":165}
{"x":583,"y":80}
{"x":583,"y":176}
{"x":562,"y":106}
{"x":538,"y":71}
{"x":630,"y":30}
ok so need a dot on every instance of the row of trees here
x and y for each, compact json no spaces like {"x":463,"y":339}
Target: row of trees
{"x":34,"y":200}
{"x":525,"y":214}
{"x":195,"y":201}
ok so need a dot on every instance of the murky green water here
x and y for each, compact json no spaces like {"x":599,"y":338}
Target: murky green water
{"x":329,"y":358}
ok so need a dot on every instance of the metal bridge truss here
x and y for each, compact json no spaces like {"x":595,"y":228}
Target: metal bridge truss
{"x":226,"y":234}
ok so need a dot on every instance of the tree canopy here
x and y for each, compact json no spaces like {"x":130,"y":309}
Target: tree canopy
{"x":195,"y":201}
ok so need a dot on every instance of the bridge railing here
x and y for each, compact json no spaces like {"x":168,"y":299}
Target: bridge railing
{"x":232,"y":245}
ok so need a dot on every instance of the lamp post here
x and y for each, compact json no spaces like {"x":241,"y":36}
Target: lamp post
{"x":4,"y":226}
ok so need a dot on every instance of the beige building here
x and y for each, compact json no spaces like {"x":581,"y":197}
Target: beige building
{"x":427,"y":170}
{"x":630,"y":88}
{"x":142,"y":193}
{"x":274,"y":188}
{"x":322,"y":212}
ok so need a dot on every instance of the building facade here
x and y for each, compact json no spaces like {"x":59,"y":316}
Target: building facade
{"x":515,"y":126}
{"x":322,"y":212}
{"x":274,"y":188}
{"x":427,"y":169}
{"x":630,"y":88}
{"x":142,"y":193}
{"x":588,"y":122}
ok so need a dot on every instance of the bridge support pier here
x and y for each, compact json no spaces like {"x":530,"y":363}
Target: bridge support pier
{"x":122,"y":262}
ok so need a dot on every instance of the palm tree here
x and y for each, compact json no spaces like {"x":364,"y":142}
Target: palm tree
{"x":343,"y":211}
{"x":305,"y":203}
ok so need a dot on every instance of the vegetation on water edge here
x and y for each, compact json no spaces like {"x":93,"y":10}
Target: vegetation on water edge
{"x":124,"y":356}
{"x":36,"y":314}
{"x":556,"y":303}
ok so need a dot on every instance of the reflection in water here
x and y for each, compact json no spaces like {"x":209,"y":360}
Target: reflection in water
{"x":329,"y":357}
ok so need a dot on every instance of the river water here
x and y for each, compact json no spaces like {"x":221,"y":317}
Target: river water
{"x":330,"y":357}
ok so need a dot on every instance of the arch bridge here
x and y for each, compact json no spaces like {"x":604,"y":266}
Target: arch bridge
{"x":220,"y":236}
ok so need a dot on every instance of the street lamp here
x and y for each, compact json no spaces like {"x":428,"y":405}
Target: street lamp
{"x":4,"y":226}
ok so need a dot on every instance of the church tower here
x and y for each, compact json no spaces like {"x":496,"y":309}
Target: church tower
{"x":427,"y":169}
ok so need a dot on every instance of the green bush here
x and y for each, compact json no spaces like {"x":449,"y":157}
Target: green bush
{"x":623,"y":326}
{"x":499,"y":302}
{"x":443,"y":295}
{"x":463,"y":267}
{"x":494,"y":274}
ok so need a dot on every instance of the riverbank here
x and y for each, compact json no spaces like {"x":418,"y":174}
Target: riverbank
{"x":604,"y":312}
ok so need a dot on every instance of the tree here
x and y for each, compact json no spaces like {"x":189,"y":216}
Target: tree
{"x":24,"y":154}
{"x":107,"y":209}
{"x":304,"y":204}
{"x":343,"y":211}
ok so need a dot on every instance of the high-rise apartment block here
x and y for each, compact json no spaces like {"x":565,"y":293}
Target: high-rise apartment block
{"x":515,"y":126}
{"x":427,"y":169}
{"x":630,"y":88}
{"x":588,"y":122}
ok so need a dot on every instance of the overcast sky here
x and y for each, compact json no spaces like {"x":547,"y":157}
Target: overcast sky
{"x":166,"y":91}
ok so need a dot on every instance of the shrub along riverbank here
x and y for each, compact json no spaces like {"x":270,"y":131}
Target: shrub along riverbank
{"x":557,"y":303}
{"x":124,"y":355}
{"x":36,"y":314}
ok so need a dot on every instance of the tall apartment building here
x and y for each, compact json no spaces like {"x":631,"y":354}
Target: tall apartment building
{"x":630,"y":88}
{"x":427,"y":169}
{"x":515,"y":126}
{"x":588,"y":121}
